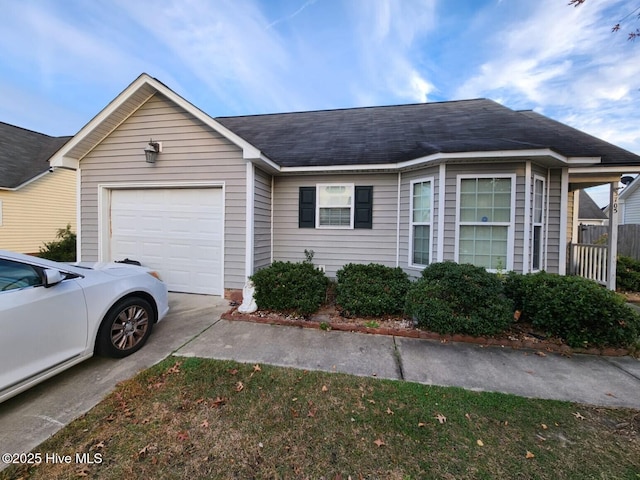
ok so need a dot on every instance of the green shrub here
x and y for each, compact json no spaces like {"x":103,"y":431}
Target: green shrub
{"x":628,"y":274}
{"x":459,"y":298}
{"x":577,"y":310}
{"x":61,"y":250}
{"x":286,"y":287}
{"x":371,"y":290}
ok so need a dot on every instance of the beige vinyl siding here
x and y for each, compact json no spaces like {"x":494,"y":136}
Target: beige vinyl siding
{"x":262,"y":220}
{"x":405,"y":216}
{"x":553,"y":222}
{"x":34,"y":213}
{"x":192,"y":152}
{"x":334,"y":248}
{"x":451,"y":206}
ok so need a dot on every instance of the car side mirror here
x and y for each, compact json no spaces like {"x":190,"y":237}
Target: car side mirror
{"x":52,"y":277}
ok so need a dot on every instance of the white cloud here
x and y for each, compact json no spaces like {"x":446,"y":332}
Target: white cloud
{"x":389,"y":34}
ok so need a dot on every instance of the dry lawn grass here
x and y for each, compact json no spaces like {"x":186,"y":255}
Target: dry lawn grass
{"x":194,"y":418}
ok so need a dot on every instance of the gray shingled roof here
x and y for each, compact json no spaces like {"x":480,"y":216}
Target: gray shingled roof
{"x":376,"y":135}
{"x":588,"y":209}
{"x":24,"y":154}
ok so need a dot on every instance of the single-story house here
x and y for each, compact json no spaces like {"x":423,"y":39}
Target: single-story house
{"x":34,"y":201}
{"x":406,"y":185}
{"x":629,"y":203}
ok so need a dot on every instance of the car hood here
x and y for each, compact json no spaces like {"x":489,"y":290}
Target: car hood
{"x":112,"y":268}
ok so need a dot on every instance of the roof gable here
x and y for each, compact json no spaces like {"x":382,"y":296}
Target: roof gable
{"x":588,"y":208}
{"x":121,"y":108}
{"x":24,"y":154}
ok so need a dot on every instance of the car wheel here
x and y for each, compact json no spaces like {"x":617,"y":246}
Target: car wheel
{"x":126,"y":328}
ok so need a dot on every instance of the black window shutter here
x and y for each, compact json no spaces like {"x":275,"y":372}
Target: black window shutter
{"x":307,"y":207}
{"x":364,"y":207}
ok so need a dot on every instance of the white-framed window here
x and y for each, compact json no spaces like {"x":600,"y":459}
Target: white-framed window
{"x":334,"y":208}
{"x":420,"y":222}
{"x":539,"y":210}
{"x":485,"y":220}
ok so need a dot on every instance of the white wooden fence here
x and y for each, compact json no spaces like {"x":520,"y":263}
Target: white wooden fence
{"x":588,"y":261}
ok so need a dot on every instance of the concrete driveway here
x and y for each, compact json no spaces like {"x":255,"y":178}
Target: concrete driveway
{"x":33,"y":416}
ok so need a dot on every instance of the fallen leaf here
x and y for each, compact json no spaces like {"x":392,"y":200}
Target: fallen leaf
{"x":175,"y":368}
{"x":205,"y":424}
{"x":233,"y":371}
{"x":389,"y":411}
{"x":609,"y":394}
{"x":467,"y":416}
{"x":578,"y":415}
{"x":239,"y":386}
{"x":441,"y":418}
{"x":182,"y":436}
{"x":544,"y":427}
{"x":295,"y":413}
{"x":422,"y":424}
{"x":480,"y":443}
{"x":529,"y":455}
{"x":97,"y":446}
{"x":256,"y":368}
{"x":312,"y":413}
{"x":325,"y":388}
{"x":219,"y":401}
{"x":83,"y":472}
{"x":379,"y":442}
{"x":541,"y":354}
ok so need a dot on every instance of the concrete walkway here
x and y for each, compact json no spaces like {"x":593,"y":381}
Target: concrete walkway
{"x":588,"y":379}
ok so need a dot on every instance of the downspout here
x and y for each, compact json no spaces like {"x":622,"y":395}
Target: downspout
{"x":78,"y":216}
{"x":249,"y":221}
{"x":545,"y":221}
{"x":442,"y":178}
{"x":398,"y":221}
{"x":273,"y":184}
{"x":526,"y":251}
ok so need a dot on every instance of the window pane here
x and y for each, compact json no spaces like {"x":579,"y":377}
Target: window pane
{"x":422,"y":202}
{"x":538,"y":198}
{"x":335,"y":195}
{"x":335,"y":217}
{"x":485,"y":200}
{"x":537,"y":245}
{"x":483,"y":246}
{"x":421,"y":235}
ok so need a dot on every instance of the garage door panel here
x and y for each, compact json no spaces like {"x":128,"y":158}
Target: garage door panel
{"x":175,"y":231}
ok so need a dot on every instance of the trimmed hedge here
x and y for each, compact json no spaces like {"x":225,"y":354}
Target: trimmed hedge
{"x":575,"y":309}
{"x":371,"y":290}
{"x":290,"y":287}
{"x":628,"y":274}
{"x":459,"y":298}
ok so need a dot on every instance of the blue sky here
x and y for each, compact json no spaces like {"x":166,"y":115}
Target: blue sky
{"x":63,"y":61}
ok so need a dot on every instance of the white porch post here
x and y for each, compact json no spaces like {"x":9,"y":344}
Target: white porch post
{"x":612,"y":250}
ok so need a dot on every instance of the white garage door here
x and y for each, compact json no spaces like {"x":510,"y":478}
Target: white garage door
{"x":177,"y":231}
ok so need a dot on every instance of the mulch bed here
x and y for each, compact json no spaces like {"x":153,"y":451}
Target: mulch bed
{"x":521,"y":335}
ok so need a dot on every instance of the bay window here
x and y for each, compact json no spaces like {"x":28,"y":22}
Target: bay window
{"x":485,"y":221}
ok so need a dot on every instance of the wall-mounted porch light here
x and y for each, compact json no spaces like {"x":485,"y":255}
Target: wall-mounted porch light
{"x":151,"y":151}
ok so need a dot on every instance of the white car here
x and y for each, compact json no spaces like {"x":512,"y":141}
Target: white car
{"x":55,"y":315}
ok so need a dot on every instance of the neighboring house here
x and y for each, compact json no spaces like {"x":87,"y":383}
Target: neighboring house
{"x":629,"y":203}
{"x":589,"y":213}
{"x":468,"y":181}
{"x":34,"y":202}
